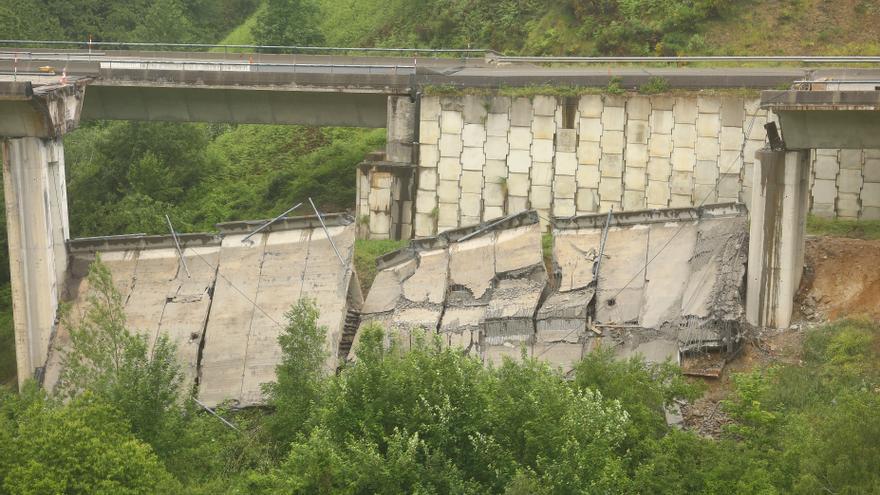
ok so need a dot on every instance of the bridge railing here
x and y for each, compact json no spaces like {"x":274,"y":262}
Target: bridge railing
{"x":95,"y":47}
{"x":238,"y":48}
{"x":104,"y":62}
{"x":805,"y":59}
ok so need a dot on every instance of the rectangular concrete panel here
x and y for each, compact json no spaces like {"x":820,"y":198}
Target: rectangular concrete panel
{"x":225,"y":309}
{"x":227,"y":334}
{"x":478,"y":287}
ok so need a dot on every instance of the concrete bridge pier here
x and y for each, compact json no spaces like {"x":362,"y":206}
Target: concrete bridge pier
{"x":37,"y":229}
{"x":778,"y":218}
{"x":387,"y":183}
{"x":32,"y":126}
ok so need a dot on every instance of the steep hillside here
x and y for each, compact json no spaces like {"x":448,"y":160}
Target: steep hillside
{"x":796,"y":27}
{"x":585,"y":27}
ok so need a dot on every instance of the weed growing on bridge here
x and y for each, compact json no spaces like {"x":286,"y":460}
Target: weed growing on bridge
{"x":655,"y":85}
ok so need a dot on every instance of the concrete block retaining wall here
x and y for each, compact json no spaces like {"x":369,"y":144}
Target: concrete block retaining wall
{"x":481,"y":157}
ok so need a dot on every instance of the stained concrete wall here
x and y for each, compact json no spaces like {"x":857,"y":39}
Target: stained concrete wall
{"x":687,"y":298}
{"x":478,"y":288}
{"x":776,"y":236}
{"x":481,"y":157}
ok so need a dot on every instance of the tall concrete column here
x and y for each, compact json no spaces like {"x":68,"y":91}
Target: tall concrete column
{"x":778,"y":216}
{"x":399,"y":153}
{"x":37,"y":228}
{"x":401,"y":129}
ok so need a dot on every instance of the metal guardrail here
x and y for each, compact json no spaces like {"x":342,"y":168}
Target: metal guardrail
{"x":687,"y":59}
{"x":279,"y":48}
{"x":126,"y":63}
{"x":488,"y":53}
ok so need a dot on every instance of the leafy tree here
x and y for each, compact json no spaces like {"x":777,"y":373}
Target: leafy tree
{"x":646,"y":391}
{"x":78,"y":448}
{"x":299,"y":383}
{"x":27,"y":20}
{"x":164,"y":21}
{"x":108,"y":361}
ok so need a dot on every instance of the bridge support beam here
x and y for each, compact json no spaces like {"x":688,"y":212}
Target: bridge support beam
{"x":37,"y":227}
{"x":778,"y":217}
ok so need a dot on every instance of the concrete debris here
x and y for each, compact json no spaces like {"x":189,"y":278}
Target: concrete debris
{"x":670,"y":282}
{"x":479,"y":287}
{"x":226,"y":317}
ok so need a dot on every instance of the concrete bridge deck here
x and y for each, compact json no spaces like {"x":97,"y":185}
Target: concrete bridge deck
{"x":335,"y":90}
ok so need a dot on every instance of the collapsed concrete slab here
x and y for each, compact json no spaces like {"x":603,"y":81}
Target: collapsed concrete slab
{"x":668,"y":281}
{"x":227,"y":314}
{"x":159,"y":297}
{"x":478,"y":287}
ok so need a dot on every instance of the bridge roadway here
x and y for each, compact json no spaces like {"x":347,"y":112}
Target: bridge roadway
{"x":342,"y":90}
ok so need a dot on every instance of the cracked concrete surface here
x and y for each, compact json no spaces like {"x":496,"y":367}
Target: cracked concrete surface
{"x":669,"y":281}
{"x":477,"y":287}
{"x":226,"y":317}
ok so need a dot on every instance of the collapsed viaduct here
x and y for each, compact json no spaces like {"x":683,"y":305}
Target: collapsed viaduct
{"x":456,"y":160}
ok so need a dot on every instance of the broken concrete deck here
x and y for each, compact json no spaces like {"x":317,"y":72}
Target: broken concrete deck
{"x":669,"y":281}
{"x":226,"y":316}
{"x":479,"y":287}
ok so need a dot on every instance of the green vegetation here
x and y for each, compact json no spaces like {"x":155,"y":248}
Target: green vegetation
{"x":430,"y":419}
{"x":365,"y":254}
{"x":858,"y":229}
{"x":522,"y":26}
{"x":7,"y":336}
{"x":203,"y":174}
{"x":288,"y":22}
{"x":168,"y":21}
{"x":243,"y":34}
{"x":547,"y":246}
{"x":655,"y":85}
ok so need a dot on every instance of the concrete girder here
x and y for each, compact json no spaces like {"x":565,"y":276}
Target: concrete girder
{"x":48,"y":113}
{"x":235,"y":105}
{"x":826,"y":119}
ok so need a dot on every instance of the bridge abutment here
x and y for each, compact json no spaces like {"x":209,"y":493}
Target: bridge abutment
{"x":386,"y":182}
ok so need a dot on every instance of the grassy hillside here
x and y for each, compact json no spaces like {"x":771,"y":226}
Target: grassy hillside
{"x":794,"y":27}
{"x":585,"y":27}
{"x":243,"y":33}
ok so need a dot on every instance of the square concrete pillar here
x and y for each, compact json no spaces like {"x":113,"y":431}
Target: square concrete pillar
{"x":401,"y":127}
{"x":37,"y":230}
{"x":778,"y":217}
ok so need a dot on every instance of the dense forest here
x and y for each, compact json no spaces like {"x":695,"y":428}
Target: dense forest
{"x":429,"y":420}
{"x":432,"y":420}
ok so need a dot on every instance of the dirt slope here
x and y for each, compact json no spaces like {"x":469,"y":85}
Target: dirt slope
{"x":842,"y":278}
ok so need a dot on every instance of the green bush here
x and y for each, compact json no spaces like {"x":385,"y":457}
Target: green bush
{"x":81,"y":447}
